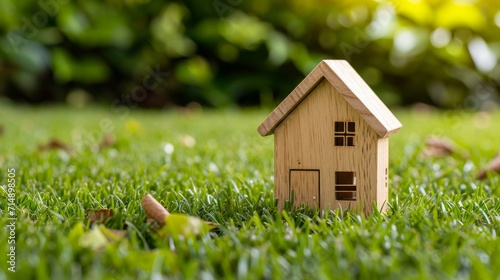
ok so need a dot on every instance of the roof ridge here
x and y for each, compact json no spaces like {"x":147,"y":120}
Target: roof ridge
{"x":350,"y":85}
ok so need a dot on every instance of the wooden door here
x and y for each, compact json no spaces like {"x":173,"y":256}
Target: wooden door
{"x":304,"y":186}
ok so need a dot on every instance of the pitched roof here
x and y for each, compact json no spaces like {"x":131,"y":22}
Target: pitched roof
{"x":352,"y":87}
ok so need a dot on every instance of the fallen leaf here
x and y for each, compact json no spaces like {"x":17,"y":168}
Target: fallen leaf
{"x":99,"y":237}
{"x":482,"y":120}
{"x":112,"y":234}
{"x":93,"y":239}
{"x":173,"y":224}
{"x":438,"y":147}
{"x":101,"y":215}
{"x":423,"y":108}
{"x":55,"y":144}
{"x":107,"y":141}
{"x":154,"y":209}
{"x":493,"y":166}
{"x":153,"y":224}
{"x":184,"y":225}
{"x":188,"y":141}
{"x":192,"y":108}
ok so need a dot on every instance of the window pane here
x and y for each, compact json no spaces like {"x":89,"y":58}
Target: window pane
{"x":351,"y":127}
{"x":345,"y":188}
{"x":339,"y":127}
{"x":339,"y":141}
{"x":345,"y":195}
{"x":345,"y":178}
{"x":350,"y":141}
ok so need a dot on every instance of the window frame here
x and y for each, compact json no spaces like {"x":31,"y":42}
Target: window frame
{"x":344,"y":134}
{"x":345,"y":186}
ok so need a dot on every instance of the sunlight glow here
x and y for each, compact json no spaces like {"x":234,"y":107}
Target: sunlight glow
{"x":405,"y":41}
{"x":383,"y":21}
{"x":440,"y":37}
{"x":483,"y":57}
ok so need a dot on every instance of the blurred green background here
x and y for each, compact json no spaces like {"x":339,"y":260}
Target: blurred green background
{"x":221,"y":53}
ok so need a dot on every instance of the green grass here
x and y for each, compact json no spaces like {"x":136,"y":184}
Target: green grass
{"x":441,"y":224}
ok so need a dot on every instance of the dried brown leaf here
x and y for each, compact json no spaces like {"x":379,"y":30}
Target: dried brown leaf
{"x":153,"y":224}
{"x":423,"y":108}
{"x":101,"y":215}
{"x":438,"y":147}
{"x":188,"y":141}
{"x":154,"y":209}
{"x":55,"y":144}
{"x":108,"y":141}
{"x":493,"y":166}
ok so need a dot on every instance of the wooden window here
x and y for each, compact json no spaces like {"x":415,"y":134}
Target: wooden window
{"x":345,"y":133}
{"x":345,"y":186}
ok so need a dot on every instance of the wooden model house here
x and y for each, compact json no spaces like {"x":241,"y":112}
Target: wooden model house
{"x":331,"y":144}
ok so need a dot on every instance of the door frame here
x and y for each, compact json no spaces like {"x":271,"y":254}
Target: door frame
{"x":305,"y":169}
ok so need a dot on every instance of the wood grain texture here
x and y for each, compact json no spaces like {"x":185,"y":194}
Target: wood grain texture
{"x":353,"y":89}
{"x":305,"y":140}
{"x":382,"y":173}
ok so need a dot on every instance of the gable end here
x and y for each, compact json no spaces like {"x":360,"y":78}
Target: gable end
{"x":351,"y":86}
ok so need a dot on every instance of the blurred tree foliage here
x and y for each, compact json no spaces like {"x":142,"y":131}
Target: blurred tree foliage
{"x":247,"y":52}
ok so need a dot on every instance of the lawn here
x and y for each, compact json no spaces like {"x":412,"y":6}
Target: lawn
{"x":442,"y":223}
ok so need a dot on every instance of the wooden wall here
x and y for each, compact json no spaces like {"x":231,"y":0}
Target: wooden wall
{"x":305,"y":140}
